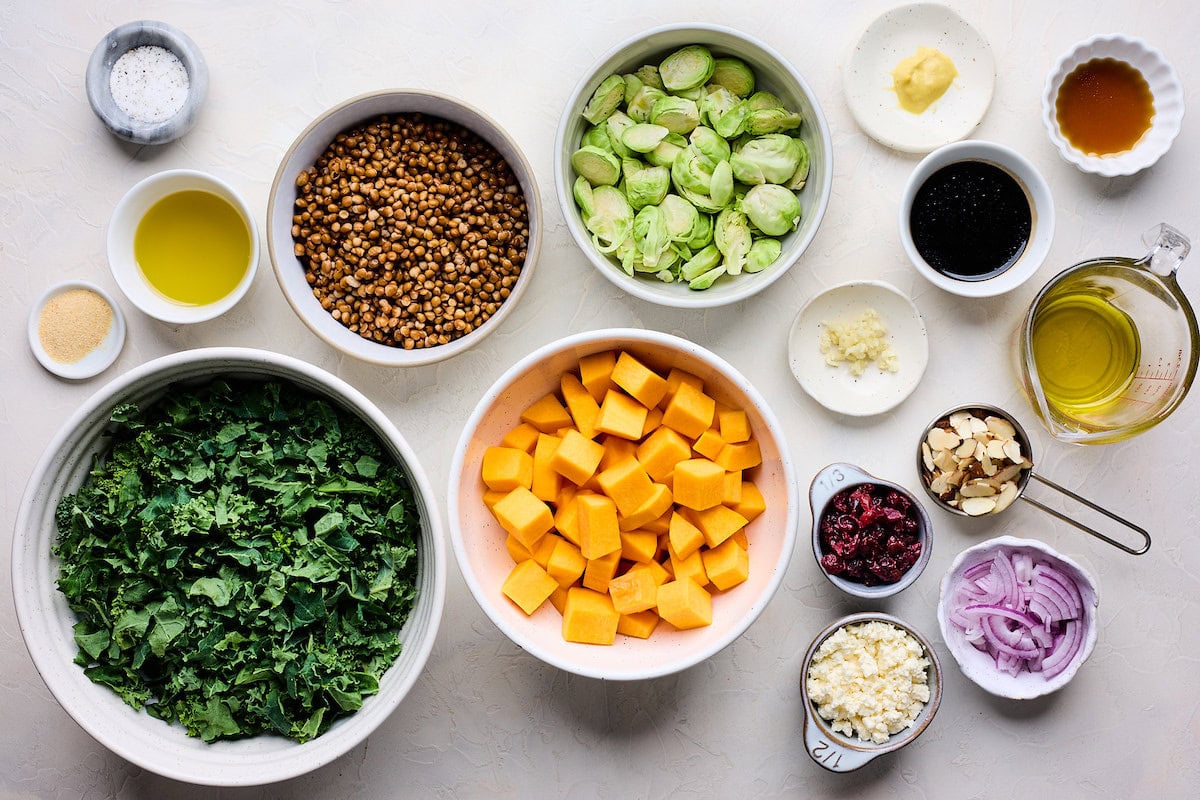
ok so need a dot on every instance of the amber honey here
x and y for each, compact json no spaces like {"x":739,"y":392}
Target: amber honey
{"x":1104,"y":106}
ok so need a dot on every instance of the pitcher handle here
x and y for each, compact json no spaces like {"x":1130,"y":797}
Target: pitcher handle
{"x":1063,"y":490}
{"x":1168,"y":248}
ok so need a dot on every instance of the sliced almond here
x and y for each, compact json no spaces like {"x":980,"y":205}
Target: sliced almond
{"x":978,"y":425}
{"x":989,"y":468}
{"x":1008,"y":493}
{"x":995,"y":450}
{"x":978,"y":506}
{"x":938,"y":485}
{"x":977,"y":490}
{"x":944,"y":460}
{"x":1008,"y":473}
{"x":1012,"y":449}
{"x":958,"y":418}
{"x":927,"y":456}
{"x":1001,"y":427}
{"x":966,"y":448}
{"x":942,"y":440}
{"x":980,"y":451}
{"x":956,"y":478}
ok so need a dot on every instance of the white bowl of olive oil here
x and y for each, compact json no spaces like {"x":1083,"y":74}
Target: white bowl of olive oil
{"x":183,"y":246}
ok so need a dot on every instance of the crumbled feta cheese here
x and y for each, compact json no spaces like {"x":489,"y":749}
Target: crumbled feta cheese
{"x":870,"y":680}
{"x":859,"y":343}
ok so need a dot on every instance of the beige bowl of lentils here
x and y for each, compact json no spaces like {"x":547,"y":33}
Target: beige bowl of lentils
{"x":403,"y":226}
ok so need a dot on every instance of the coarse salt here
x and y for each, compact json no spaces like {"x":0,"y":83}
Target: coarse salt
{"x":149,"y":83}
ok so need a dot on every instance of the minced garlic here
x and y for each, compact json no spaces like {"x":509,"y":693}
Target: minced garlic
{"x":859,"y":343}
{"x":869,"y":680}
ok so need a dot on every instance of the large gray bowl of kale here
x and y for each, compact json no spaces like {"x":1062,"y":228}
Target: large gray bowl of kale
{"x":228,"y":567}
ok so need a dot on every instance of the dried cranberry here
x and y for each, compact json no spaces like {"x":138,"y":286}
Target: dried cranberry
{"x":869,"y":534}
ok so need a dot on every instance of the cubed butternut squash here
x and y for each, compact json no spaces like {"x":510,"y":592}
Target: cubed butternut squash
{"x":558,"y":599}
{"x":633,"y":592}
{"x":726,"y":565}
{"x":595,"y":373}
{"x":528,"y":586}
{"x":685,"y":537}
{"x":654,"y":569}
{"x":576,"y":457}
{"x":684,"y":603}
{"x":522,"y":437}
{"x":709,"y":444}
{"x":733,"y":489}
{"x":523,"y":515}
{"x":752,"y":503}
{"x":566,"y":564}
{"x":616,"y":450}
{"x":566,"y":519}
{"x":639,"y":625}
{"x":506,"y":468}
{"x":718,"y":524}
{"x":598,"y":531}
{"x":734,"y":425}
{"x":547,"y":482}
{"x":675,"y":378}
{"x":690,"y":411}
{"x":544,"y":546}
{"x":690,"y":567}
{"x":580,"y":404}
{"x":622,"y":416}
{"x":734,"y":457}
{"x":655,"y":506}
{"x":517,"y":551}
{"x":490,"y":498}
{"x":639,"y":381}
{"x":639,"y":546}
{"x":698,"y":484}
{"x":661,"y":451}
{"x":589,"y":617}
{"x":653,"y":420}
{"x":600,"y":571}
{"x":547,"y":414}
{"x":627,"y":485}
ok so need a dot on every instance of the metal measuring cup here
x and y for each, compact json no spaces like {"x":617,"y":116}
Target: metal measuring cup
{"x":1022,"y":481}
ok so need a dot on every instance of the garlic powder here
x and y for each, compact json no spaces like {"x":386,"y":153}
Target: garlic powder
{"x":149,"y":83}
{"x":859,"y":343}
{"x":869,"y":680}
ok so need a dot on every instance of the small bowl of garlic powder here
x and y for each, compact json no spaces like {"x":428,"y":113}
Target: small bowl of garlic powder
{"x":76,"y":330}
{"x":859,"y":348}
{"x":146,"y":80}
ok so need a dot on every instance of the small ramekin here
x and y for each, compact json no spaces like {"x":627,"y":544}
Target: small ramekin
{"x":1164,"y":85}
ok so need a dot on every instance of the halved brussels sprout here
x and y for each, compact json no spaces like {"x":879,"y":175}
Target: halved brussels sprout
{"x":773,"y":209}
{"x":761,"y":100}
{"x":716,"y":103}
{"x":605,"y":99}
{"x":643,"y":102}
{"x":702,"y":232}
{"x":700,"y":263}
{"x":720,"y":188}
{"x":644,"y":137}
{"x":648,"y":74}
{"x":696,"y":93}
{"x":771,"y":120}
{"x":734,"y":75}
{"x":611,"y":220}
{"x":646,"y":186}
{"x":800,"y":176}
{"x":733,"y":238}
{"x":762,"y":254}
{"x":681,"y":217}
{"x":687,"y":67}
{"x":692,"y":170}
{"x":676,"y":114}
{"x":597,"y":136}
{"x":614,"y":126}
{"x":600,"y":167}
{"x":582,"y":190}
{"x":708,"y":142}
{"x":706,"y":280}
{"x":772,"y":158}
{"x":650,"y":233}
{"x":665,"y":154}
{"x":632,"y":84}
{"x":733,"y":121}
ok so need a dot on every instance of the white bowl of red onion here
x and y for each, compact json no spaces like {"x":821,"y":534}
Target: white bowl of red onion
{"x":1018,"y":617}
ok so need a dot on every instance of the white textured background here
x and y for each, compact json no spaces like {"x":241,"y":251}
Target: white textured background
{"x":486,"y":720}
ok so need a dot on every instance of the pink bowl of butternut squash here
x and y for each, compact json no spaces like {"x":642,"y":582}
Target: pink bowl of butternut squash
{"x":622,"y":504}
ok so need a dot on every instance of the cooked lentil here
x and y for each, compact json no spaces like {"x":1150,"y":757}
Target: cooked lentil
{"x":412,"y":230}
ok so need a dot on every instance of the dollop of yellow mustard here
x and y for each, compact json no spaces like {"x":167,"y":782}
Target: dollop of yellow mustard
{"x":921,"y":79}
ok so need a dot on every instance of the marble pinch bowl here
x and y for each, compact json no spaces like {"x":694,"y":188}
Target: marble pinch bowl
{"x":115,"y":44}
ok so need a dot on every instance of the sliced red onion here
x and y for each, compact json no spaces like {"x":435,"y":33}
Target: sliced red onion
{"x":1023,"y":611}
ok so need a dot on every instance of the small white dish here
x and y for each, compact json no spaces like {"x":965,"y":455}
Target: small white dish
{"x":1164,"y":85}
{"x":1041,"y":208}
{"x":896,"y":35}
{"x":981,"y":667}
{"x":99,"y":358}
{"x":875,"y":391}
{"x":124,"y":224}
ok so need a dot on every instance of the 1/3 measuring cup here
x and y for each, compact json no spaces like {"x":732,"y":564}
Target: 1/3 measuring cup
{"x":1109,"y":346}
{"x":969,"y":472}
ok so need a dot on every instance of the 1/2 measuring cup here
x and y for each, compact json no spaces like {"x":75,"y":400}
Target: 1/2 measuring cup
{"x":1109,"y":346}
{"x":1022,"y":482}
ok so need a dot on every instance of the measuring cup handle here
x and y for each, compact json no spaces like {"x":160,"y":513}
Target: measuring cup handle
{"x":1168,"y":249}
{"x":1062,"y":490}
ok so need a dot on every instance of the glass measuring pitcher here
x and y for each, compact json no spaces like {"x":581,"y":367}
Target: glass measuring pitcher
{"x":1109,"y":346}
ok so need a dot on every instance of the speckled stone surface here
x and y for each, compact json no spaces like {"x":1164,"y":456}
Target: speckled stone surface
{"x":486,"y":719}
{"x":121,"y":40}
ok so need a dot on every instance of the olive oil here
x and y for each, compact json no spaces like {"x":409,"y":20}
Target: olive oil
{"x":192,"y":247}
{"x":1086,"y":351}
